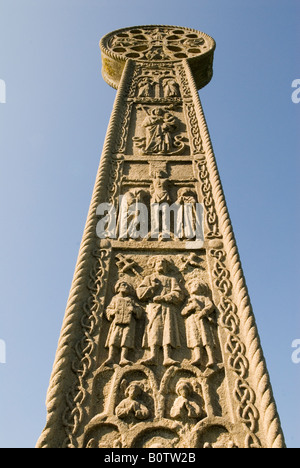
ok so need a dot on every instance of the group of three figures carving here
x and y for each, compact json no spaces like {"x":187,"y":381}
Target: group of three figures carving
{"x":134,"y":220}
{"x":163,"y":296}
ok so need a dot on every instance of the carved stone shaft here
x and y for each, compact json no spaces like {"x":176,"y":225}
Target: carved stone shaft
{"x":159,"y":346}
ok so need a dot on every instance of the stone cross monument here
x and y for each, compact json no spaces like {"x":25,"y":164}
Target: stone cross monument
{"x":159,"y":346}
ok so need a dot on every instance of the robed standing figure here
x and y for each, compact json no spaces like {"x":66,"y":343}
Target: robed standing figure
{"x":163,"y":294}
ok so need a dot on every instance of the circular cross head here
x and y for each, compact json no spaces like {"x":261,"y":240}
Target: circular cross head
{"x":157,"y":44}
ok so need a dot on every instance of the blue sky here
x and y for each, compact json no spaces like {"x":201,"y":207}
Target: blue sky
{"x":52,"y":129}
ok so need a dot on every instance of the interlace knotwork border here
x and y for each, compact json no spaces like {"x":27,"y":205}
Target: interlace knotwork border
{"x":237,"y":362}
{"x":84,"y":362}
{"x":208,"y":201}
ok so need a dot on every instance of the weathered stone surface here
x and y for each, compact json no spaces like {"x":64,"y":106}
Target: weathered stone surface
{"x":159,"y":346}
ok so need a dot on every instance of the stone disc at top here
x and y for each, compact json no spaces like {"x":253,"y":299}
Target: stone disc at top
{"x":155,"y":44}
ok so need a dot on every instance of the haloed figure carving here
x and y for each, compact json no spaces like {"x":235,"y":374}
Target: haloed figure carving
{"x":199,"y":310}
{"x":123,"y":311}
{"x":163,"y":294}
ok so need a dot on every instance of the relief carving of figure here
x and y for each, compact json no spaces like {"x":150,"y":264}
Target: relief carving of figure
{"x":187,"y":197}
{"x":199,"y":320}
{"x":159,"y":188}
{"x":186,"y":404}
{"x":133,"y":221}
{"x":160,"y":199}
{"x":145,"y":87}
{"x":170,"y":87}
{"x":132,"y":405}
{"x":122,"y":311}
{"x":163,"y":294}
{"x":159,"y":125}
{"x":156,"y":53}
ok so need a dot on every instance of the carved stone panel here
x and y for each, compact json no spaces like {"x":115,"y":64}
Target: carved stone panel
{"x":159,"y":347}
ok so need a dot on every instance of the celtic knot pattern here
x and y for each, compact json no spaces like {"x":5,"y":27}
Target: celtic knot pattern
{"x":208,"y":200}
{"x":85,"y":356}
{"x":237,"y":361}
